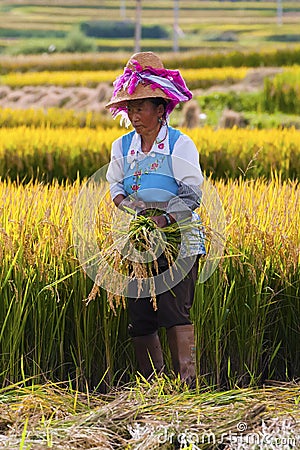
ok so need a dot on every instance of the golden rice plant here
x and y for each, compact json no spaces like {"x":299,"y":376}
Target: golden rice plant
{"x":63,"y":61}
{"x":195,"y":78}
{"x":141,"y":246}
{"x":67,"y":152}
{"x":247,"y":152}
{"x":72,"y":78}
{"x":255,"y":287}
{"x":53,"y":118}
{"x":54,"y":153}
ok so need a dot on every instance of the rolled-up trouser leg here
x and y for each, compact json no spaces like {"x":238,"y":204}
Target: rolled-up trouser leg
{"x":148,"y":354}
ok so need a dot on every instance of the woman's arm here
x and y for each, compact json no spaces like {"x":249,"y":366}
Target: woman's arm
{"x":115,"y":171}
{"x":188,"y":175}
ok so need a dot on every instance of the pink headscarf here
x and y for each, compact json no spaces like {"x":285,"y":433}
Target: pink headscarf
{"x":169,"y":81}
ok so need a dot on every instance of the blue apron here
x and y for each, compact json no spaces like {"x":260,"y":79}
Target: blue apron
{"x":150,"y":179}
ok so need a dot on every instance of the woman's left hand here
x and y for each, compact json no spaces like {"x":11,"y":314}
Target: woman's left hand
{"x":160,"y":221}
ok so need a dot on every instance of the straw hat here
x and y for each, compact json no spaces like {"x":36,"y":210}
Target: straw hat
{"x":142,"y":90}
{"x":145,"y":77}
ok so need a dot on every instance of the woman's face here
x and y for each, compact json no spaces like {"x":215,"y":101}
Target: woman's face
{"x":144,"y":115}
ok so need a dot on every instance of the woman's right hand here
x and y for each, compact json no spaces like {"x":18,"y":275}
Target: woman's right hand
{"x":129,"y":205}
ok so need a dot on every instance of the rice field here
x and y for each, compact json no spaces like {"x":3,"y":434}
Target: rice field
{"x":249,"y":24}
{"x":255,"y":286}
{"x":196,"y":78}
{"x":66,"y":153}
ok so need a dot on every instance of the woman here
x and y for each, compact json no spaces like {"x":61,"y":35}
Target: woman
{"x":156,"y":166}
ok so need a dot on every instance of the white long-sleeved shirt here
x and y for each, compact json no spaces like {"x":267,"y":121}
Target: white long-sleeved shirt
{"x":185,"y":160}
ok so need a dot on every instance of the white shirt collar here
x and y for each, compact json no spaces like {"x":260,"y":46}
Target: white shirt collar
{"x":161,"y":144}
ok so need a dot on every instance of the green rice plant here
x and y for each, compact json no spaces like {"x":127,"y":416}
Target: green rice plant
{"x":239,"y":340}
{"x":282,"y":93}
{"x":197,"y":19}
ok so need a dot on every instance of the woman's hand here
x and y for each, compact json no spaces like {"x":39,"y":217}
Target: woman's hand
{"x":129,"y":205}
{"x":160,"y":221}
{"x":163,"y":220}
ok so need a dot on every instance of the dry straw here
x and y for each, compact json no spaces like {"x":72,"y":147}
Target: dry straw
{"x":148,"y":416}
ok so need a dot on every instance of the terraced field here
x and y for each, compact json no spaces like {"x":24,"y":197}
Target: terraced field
{"x":201,"y":24}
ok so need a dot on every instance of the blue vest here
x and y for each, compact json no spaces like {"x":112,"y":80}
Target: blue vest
{"x":152,"y":178}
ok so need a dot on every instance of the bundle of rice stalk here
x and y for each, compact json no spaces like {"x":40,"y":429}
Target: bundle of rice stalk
{"x":140,"y":253}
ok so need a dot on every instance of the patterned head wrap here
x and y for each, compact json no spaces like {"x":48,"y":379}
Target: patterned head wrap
{"x":144,"y":77}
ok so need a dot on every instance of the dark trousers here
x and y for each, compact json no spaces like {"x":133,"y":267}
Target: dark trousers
{"x":173,"y":306}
